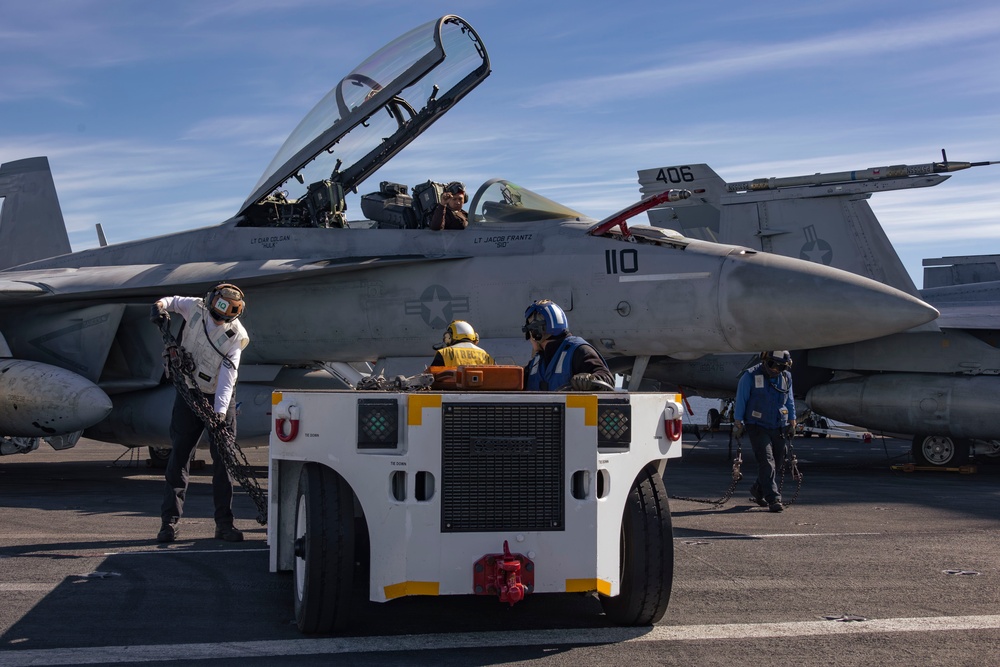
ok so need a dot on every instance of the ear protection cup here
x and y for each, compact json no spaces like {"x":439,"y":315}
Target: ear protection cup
{"x":225,"y":301}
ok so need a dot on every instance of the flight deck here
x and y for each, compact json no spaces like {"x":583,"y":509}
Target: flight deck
{"x":867,"y":565}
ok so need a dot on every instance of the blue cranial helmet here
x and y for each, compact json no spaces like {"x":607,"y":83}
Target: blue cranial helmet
{"x":547,"y":312}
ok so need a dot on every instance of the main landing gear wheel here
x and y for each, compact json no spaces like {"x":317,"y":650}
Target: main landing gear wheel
{"x":939,"y":450}
{"x":646,"y":553}
{"x":158,"y":457}
{"x":324,"y":550}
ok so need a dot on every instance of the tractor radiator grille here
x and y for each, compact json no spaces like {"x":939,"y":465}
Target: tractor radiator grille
{"x":502,"y":467}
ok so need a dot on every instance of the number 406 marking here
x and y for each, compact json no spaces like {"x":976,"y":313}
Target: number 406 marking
{"x":625,"y":260}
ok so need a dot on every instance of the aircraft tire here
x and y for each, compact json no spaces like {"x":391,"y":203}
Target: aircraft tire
{"x":158,"y":457}
{"x":323,"y":571}
{"x":939,"y":450}
{"x":714,"y":419}
{"x":646,"y":554}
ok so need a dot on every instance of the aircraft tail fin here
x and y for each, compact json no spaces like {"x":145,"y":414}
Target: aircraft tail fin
{"x":31,"y":220}
{"x":695,"y":217}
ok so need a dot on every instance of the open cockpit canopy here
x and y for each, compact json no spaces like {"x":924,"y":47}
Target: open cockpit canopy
{"x":370,"y":115}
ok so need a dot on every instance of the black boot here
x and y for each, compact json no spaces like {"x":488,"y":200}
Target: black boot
{"x":168,"y":532}
{"x":228,"y":532}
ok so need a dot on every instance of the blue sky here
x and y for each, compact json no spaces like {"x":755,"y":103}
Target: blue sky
{"x":158,"y":117}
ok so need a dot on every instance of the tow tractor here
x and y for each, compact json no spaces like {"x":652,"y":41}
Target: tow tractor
{"x":508,"y":494}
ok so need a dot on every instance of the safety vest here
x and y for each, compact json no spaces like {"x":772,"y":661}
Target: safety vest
{"x":465,"y":353}
{"x":210,"y":353}
{"x":766,"y":403}
{"x":558,"y":371}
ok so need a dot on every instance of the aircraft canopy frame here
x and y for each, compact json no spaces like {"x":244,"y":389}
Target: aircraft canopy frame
{"x":381,"y":106}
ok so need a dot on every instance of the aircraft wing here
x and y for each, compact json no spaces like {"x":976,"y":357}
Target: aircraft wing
{"x":969,"y":316}
{"x":966,"y":306}
{"x":151,"y":280}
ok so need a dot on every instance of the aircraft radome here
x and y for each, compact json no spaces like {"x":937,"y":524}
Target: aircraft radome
{"x":322,"y":289}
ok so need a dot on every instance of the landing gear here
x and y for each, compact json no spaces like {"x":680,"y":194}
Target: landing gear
{"x":939,"y":450}
{"x":324,"y":550}
{"x":647,"y":554}
{"x":158,"y":457}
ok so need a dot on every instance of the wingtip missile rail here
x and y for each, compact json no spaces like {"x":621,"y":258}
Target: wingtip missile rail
{"x":871,"y":174}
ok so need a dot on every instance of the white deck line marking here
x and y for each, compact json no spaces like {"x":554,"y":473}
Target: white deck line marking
{"x":760,"y":537}
{"x":181,"y":551}
{"x":15,"y":587}
{"x":440,"y":642}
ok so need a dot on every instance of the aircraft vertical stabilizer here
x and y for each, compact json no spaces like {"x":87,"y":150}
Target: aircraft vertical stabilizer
{"x":31,"y":221}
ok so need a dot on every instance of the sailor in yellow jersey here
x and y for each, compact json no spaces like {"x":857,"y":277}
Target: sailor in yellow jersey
{"x":458,"y":348}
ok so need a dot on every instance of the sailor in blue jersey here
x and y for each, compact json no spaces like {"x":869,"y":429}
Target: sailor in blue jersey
{"x":765,"y":408}
{"x":560,"y":358}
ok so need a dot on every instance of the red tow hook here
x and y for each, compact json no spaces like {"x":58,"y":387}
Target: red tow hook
{"x":510,"y":576}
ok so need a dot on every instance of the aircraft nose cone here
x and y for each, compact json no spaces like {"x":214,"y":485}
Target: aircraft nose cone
{"x":92,"y":405}
{"x":769,"y":302}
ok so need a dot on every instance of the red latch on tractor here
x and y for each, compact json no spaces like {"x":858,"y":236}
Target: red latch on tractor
{"x":511,"y":576}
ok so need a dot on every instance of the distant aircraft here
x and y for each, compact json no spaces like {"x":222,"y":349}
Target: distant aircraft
{"x":322,"y":290}
{"x":937,"y":382}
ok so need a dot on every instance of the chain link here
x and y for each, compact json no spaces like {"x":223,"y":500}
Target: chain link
{"x":737,"y":475}
{"x":180,"y":367}
{"x":791,"y":464}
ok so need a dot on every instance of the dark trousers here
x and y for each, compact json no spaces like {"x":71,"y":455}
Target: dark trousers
{"x":769,"y":449}
{"x":185,"y":430}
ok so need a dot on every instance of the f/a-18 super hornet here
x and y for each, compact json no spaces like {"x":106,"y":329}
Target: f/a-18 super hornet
{"x":321,"y":289}
{"x":938,"y":382}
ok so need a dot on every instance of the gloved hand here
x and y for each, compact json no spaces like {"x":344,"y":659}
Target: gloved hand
{"x":790,"y":429}
{"x":217,"y":420}
{"x":157,"y":314}
{"x":581,"y":381}
{"x":738,"y":429}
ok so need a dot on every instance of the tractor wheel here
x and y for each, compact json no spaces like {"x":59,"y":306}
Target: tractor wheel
{"x":646,"y":554}
{"x":324,"y":550}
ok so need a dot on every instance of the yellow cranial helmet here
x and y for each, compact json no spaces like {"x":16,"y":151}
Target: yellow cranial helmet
{"x":457,"y":332}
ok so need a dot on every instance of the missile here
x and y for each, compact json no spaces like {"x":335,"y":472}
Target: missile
{"x":40,"y":400}
{"x":870,"y":174}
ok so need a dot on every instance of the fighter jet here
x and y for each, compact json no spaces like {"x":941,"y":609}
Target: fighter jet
{"x":937,"y":382}
{"x":322,"y":289}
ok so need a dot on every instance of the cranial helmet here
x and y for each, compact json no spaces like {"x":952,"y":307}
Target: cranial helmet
{"x":779,"y":358}
{"x":455,"y":187}
{"x":547,"y":313}
{"x":225,"y":302}
{"x":457,"y":332}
